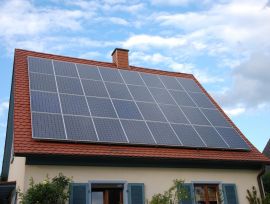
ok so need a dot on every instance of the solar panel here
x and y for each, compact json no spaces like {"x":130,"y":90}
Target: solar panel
{"x":80,"y":128}
{"x":69,"y":85}
{"x":65,"y":69}
{"x":101,"y":107}
{"x":195,"y":116}
{"x":174,"y":114}
{"x":86,"y":103}
{"x":151,"y":80}
{"x":45,"y":102}
{"x":162,"y":96}
{"x":137,"y":132}
{"x":110,"y":130}
{"x":182,"y":98}
{"x":42,"y":82}
{"x":132,"y":77}
{"x":74,"y":105}
{"x":118,"y":91}
{"x":48,"y":126}
{"x":211,"y":137}
{"x":127,"y":109}
{"x":94,"y":88}
{"x":202,"y":100}
{"x":111,"y":75}
{"x":188,"y":136}
{"x":88,"y":72}
{"x":163,"y":133}
{"x":189,"y":85}
{"x":150,"y":111}
{"x":140,"y":93}
{"x":171,"y":83}
{"x":40,"y":65}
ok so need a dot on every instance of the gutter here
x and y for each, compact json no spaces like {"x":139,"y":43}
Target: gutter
{"x":260,"y":183}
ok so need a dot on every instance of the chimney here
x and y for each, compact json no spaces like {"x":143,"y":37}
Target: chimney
{"x":120,"y":57}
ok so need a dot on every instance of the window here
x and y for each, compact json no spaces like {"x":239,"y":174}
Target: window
{"x":207,"y":194}
{"x":107,"y":193}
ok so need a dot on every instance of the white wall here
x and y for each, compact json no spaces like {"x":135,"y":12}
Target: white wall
{"x":156,"y":180}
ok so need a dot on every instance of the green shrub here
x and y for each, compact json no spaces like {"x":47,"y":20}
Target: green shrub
{"x":54,"y":191}
{"x":266,"y":182}
{"x":172,"y":196}
{"x":252,"y":197}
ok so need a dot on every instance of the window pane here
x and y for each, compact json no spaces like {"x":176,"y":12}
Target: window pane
{"x":200,"y":195}
{"x":212,"y":194}
{"x":97,"y":197}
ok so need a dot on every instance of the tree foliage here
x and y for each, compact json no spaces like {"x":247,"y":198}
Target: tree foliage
{"x":252,"y":197}
{"x":50,"y":191}
{"x":172,"y":196}
{"x":266,"y":182}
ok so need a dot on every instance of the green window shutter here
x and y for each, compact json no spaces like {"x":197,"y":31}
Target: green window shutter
{"x":190,"y":191}
{"x":230,"y":194}
{"x":79,"y":193}
{"x":135,"y":193}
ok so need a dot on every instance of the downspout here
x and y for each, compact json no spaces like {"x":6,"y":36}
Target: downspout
{"x":260,"y":183}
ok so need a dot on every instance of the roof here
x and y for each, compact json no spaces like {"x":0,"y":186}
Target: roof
{"x":25,"y":145}
{"x":266,"y":150}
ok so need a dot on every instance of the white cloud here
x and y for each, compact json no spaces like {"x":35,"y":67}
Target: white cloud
{"x":3,"y":107}
{"x":153,"y":41}
{"x":234,"y":111}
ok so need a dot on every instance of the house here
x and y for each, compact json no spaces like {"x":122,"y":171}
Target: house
{"x":266,"y":152}
{"x":123,"y":133}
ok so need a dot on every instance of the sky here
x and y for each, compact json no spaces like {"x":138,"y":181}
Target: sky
{"x":224,"y":43}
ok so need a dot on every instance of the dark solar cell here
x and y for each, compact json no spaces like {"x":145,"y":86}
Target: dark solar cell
{"x":111,"y":75}
{"x":127,"y":109}
{"x":137,"y":132}
{"x":151,"y":111}
{"x":173,"y":114}
{"x":211,"y":137}
{"x":202,"y":100}
{"x":80,"y":128}
{"x":47,"y":126}
{"x":75,"y":105}
{"x":101,"y":107}
{"x":163,"y":134}
{"x":182,"y":98}
{"x":132,"y":77}
{"x":118,"y":91}
{"x":110,"y":130}
{"x":188,"y":135}
{"x":94,"y":88}
{"x":195,"y":116}
{"x":162,"y":96}
{"x":69,"y":85}
{"x":189,"y":85}
{"x":40,"y":65}
{"x":42,"y":82}
{"x":140,"y":93}
{"x":152,"y":80}
{"x":45,"y":102}
{"x":65,"y":69}
{"x":215,"y":117}
{"x":171,"y":83}
{"x":88,"y":71}
{"x":232,"y":138}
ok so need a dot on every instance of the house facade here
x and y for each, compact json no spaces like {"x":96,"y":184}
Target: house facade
{"x":123,"y":133}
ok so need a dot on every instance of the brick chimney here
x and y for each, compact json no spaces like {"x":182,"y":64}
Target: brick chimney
{"x":120,"y":57}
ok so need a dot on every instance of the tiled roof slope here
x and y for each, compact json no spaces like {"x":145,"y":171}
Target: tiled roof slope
{"x":25,"y":145}
{"x":266,"y":150}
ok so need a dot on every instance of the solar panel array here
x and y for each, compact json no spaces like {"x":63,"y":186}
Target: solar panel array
{"x":78,"y":102}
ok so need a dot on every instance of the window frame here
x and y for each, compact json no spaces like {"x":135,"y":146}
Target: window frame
{"x":124,"y":182}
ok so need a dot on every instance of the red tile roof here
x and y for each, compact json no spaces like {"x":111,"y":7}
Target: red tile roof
{"x":25,"y":145}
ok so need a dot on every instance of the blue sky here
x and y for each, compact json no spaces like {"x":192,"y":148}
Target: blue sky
{"x":224,"y":43}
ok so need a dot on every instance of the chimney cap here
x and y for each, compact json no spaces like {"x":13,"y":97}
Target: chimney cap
{"x":120,"y":49}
